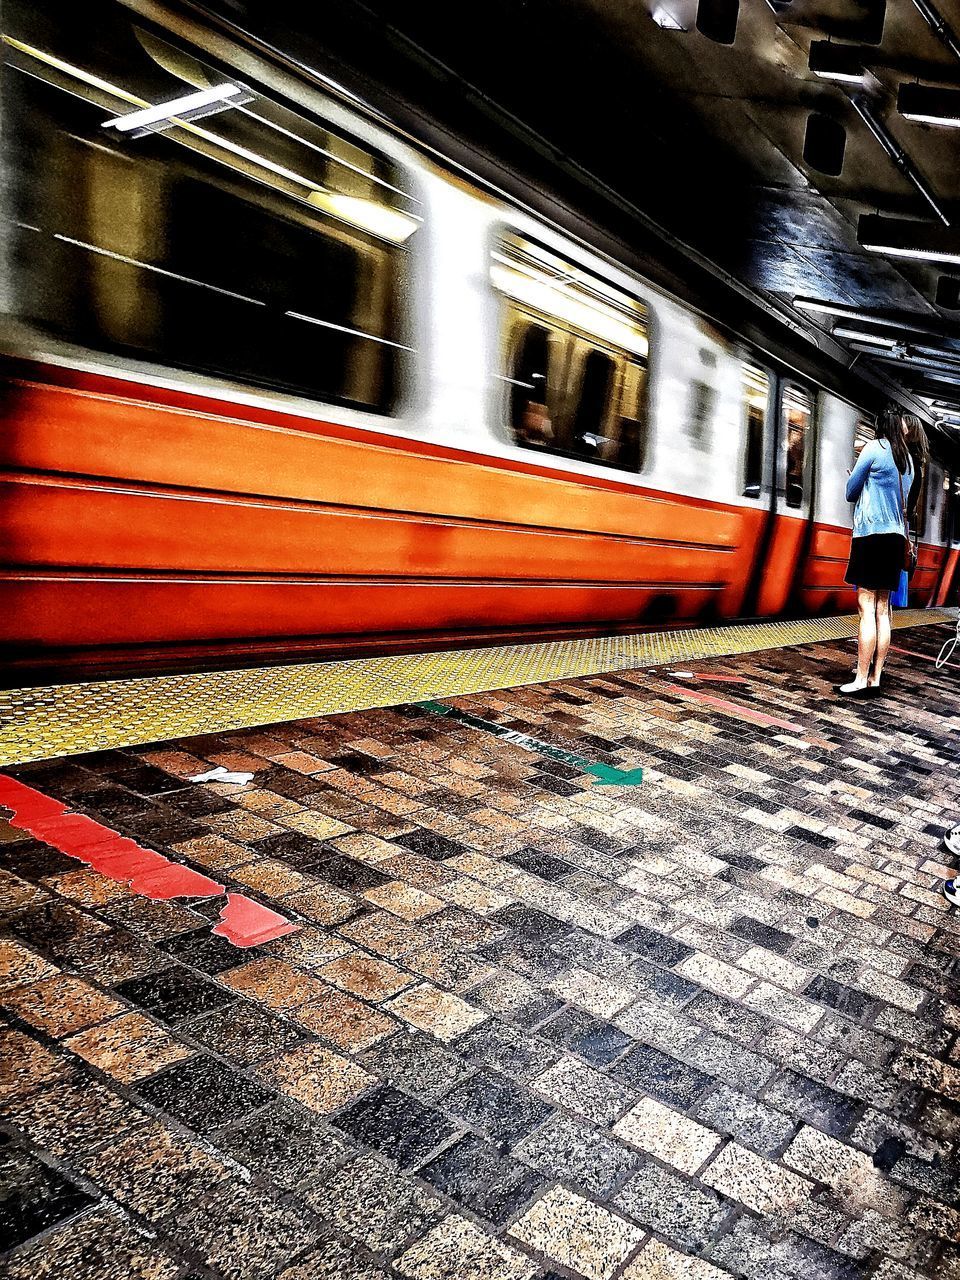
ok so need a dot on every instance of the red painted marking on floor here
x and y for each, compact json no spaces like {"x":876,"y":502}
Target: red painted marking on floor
{"x":735,"y":709}
{"x":244,"y":922}
{"x":124,"y":859}
{"x":27,"y":803}
{"x":927,"y":657}
{"x":713,"y":675}
{"x":247,"y":923}
{"x":175,"y":881}
{"x":71,"y":833}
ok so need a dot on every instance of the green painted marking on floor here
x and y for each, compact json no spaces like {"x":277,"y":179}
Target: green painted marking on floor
{"x":604,"y":773}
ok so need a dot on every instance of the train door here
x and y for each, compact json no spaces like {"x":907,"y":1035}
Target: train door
{"x":758,"y":452}
{"x":925,"y":527}
{"x":791,"y":496}
{"x":841,"y":432}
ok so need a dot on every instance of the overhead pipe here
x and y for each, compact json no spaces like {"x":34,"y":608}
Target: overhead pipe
{"x":939,"y":26}
{"x":897,"y":153}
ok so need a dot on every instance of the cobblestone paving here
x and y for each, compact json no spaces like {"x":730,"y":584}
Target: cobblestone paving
{"x":529,"y":1026}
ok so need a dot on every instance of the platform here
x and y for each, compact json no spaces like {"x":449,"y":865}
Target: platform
{"x":55,"y":720}
{"x":614,"y":959}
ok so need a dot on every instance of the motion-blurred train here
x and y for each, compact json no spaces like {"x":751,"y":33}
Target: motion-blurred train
{"x":279,"y":383}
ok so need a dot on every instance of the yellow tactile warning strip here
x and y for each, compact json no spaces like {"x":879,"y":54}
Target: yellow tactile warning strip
{"x":62,"y":720}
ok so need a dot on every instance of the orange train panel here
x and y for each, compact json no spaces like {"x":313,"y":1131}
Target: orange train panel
{"x":827,"y":560}
{"x":947,"y":578}
{"x":126,"y":528}
{"x":824,"y":588}
{"x":131,"y":523}
{"x":823,"y":575}
{"x":76,"y":433}
{"x":783,"y":557}
{"x":61,"y":612}
{"x":923,"y":583}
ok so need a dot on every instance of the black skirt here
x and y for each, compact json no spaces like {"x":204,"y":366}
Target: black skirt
{"x":876,"y":561}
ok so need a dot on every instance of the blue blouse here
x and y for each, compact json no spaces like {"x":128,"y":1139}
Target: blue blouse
{"x":875,"y":486}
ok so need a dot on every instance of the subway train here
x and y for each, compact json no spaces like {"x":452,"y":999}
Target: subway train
{"x":279,"y":383}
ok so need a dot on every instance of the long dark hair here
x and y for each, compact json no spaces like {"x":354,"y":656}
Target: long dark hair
{"x":918,"y":446}
{"x":890,"y":428}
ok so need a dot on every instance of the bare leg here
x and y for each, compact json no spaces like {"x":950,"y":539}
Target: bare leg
{"x":866,"y":638}
{"x":883,"y":634}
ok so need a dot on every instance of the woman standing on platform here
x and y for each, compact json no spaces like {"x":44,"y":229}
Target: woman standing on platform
{"x":879,"y":485}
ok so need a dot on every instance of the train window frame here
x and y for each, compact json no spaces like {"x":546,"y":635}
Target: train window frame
{"x":516,"y":255}
{"x":789,"y":387}
{"x":754,"y":452}
{"x":948,"y":500}
{"x":863,"y":432}
{"x":359,"y":366}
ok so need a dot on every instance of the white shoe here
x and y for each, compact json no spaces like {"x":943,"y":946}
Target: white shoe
{"x":951,"y":841}
{"x":951,"y":892}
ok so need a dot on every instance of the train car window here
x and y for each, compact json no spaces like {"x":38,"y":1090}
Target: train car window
{"x":756,"y":396}
{"x":797,"y":410}
{"x":863,"y":433}
{"x":594,"y":401}
{"x":529,"y":380}
{"x":164,"y":210}
{"x":576,"y":357}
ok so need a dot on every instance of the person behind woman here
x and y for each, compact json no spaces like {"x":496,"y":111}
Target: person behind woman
{"x":919,"y":449}
{"x":879,"y":485}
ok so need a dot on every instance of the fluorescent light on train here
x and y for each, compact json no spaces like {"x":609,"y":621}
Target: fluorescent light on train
{"x":862,"y":336}
{"x":904,"y":238}
{"x":925,"y":104}
{"x":832,"y":61}
{"x":368,"y":215}
{"x":168,"y":112}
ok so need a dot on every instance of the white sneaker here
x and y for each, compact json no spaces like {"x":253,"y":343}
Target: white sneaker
{"x":951,"y":841}
{"x":951,"y":892}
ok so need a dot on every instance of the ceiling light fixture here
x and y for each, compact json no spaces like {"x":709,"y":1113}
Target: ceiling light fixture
{"x":905,"y":321}
{"x":860,"y":335}
{"x":191,"y":106}
{"x":832,"y":61}
{"x":925,"y":104}
{"x":665,"y":19}
{"x":903,"y":238}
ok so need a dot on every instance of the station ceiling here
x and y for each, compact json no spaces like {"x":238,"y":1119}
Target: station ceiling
{"x":708,"y":139}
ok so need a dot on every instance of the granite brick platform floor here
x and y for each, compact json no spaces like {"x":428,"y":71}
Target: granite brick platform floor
{"x":527,"y":1025}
